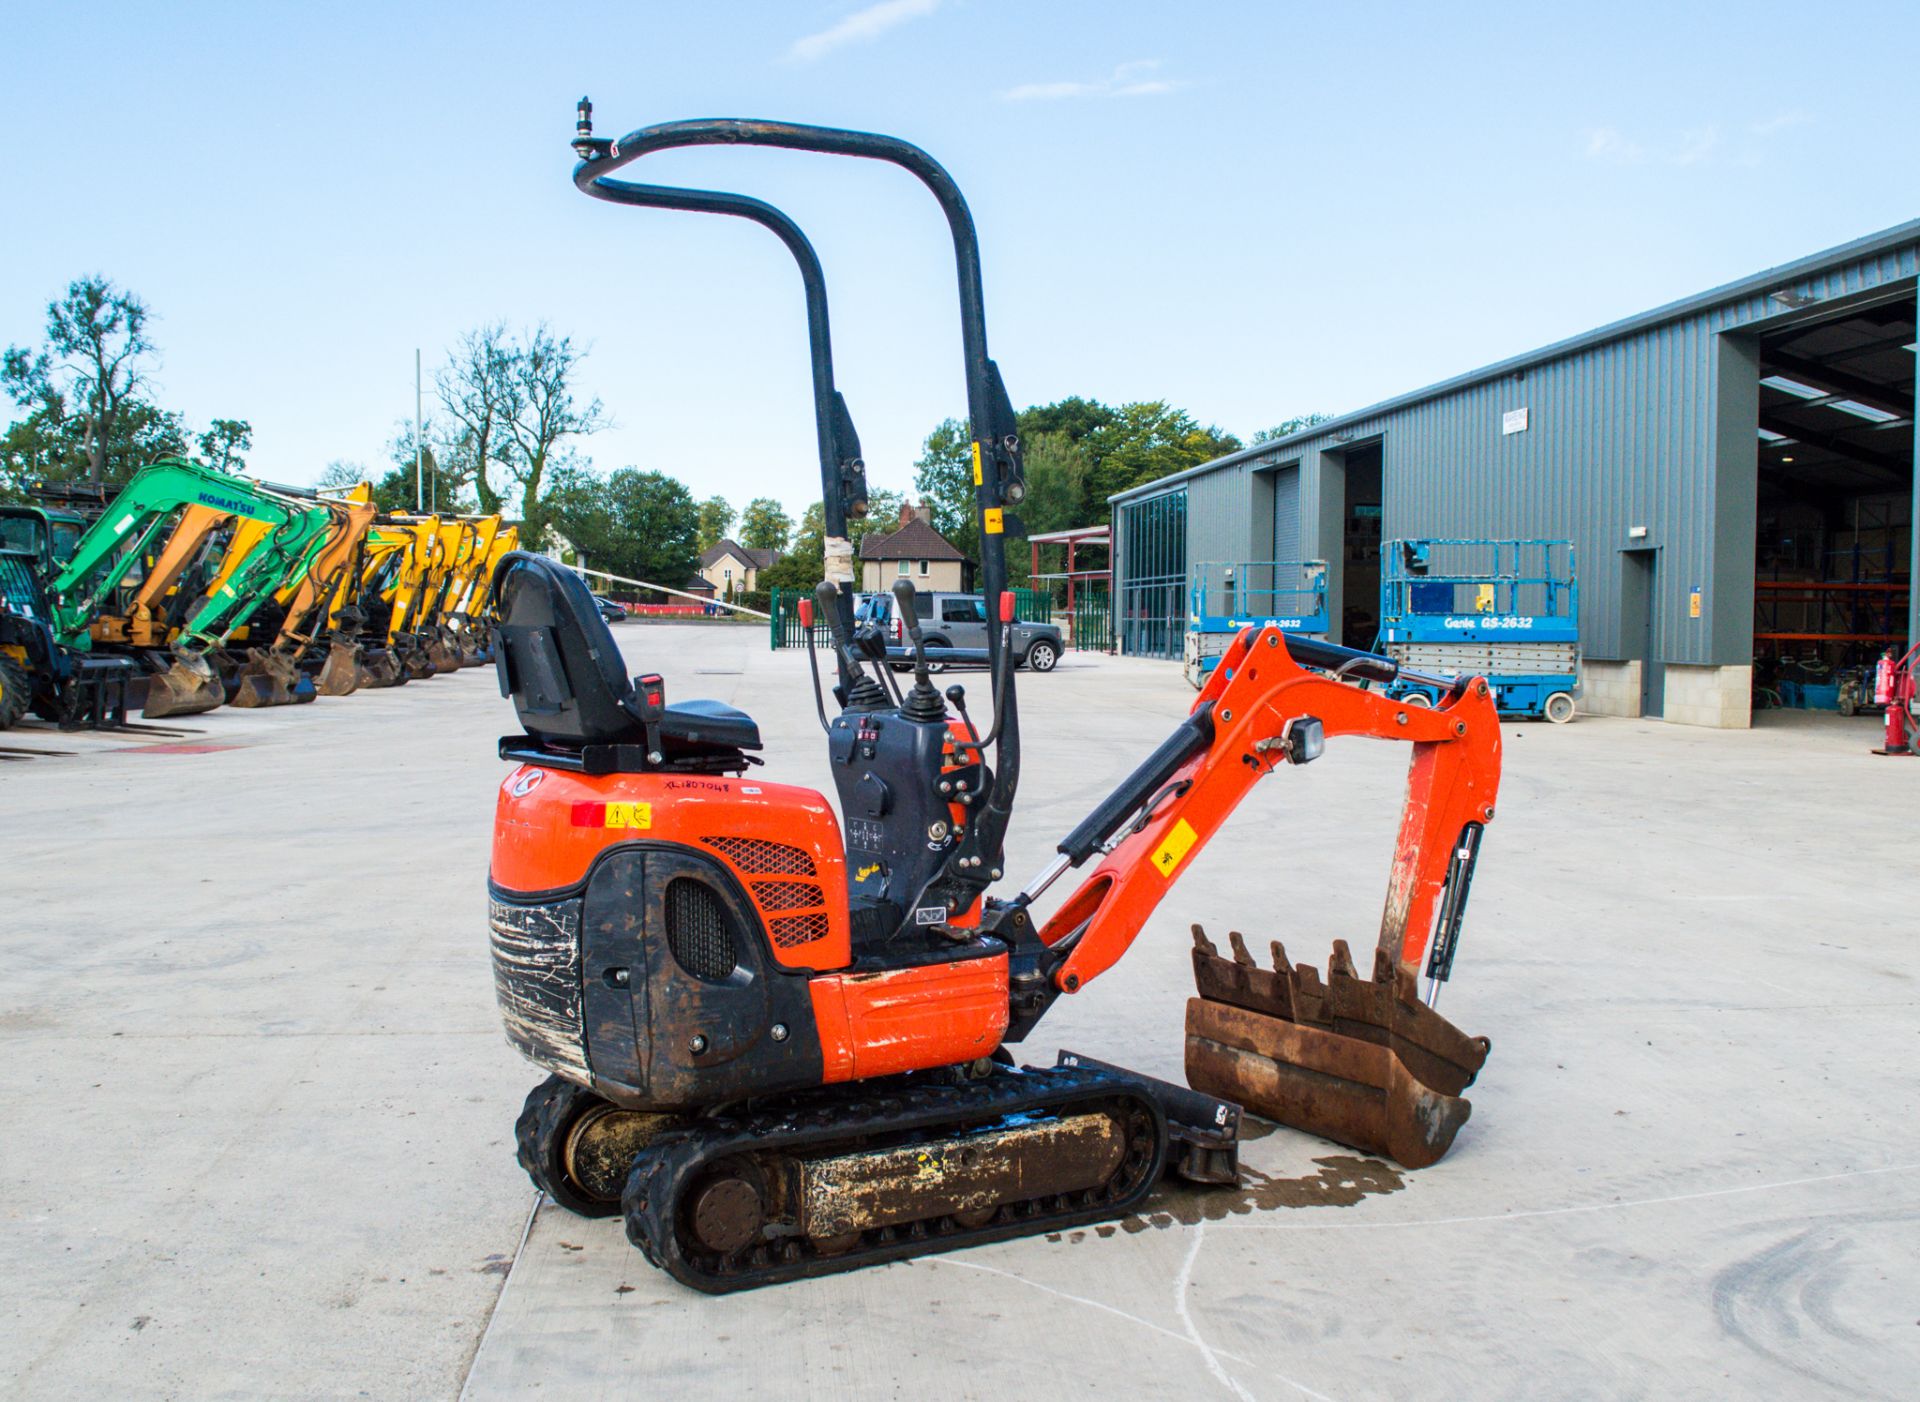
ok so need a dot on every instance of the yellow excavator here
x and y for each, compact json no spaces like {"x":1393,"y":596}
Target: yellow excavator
{"x":402,"y":552}
{"x":302,"y":652}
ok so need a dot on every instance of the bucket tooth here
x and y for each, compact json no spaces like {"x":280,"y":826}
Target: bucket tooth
{"x":1358,"y":1060}
{"x":1240,"y":955}
{"x":1340,"y":962}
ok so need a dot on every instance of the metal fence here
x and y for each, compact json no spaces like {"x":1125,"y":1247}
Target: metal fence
{"x":1092,"y":620}
{"x":1152,"y":587}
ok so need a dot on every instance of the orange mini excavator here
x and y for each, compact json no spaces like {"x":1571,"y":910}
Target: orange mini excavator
{"x":777,"y":1035}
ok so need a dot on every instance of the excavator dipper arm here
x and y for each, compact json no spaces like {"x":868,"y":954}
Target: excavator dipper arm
{"x":1262,"y":709}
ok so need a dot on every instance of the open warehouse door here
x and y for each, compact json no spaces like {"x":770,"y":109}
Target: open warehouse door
{"x":1834,"y":544}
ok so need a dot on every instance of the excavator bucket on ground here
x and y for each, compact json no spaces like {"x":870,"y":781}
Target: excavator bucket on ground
{"x":188,"y":686}
{"x":270,"y":678}
{"x":340,"y":674}
{"x":1361,"y":1061}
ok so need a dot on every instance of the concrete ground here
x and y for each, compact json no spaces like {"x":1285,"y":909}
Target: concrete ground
{"x":258,"y":1111}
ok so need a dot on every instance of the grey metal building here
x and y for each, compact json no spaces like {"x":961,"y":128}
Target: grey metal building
{"x":1736,"y":471}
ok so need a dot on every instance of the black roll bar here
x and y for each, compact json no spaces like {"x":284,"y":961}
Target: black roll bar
{"x":999,"y":478}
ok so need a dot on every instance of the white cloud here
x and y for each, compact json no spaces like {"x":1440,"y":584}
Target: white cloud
{"x":1128,"y":80}
{"x":1607,"y":144}
{"x":1779,"y":122}
{"x":860,"y":27}
{"x":1687,"y":148}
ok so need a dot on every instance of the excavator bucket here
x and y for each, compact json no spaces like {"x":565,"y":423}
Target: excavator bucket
{"x":188,"y":686}
{"x":271,"y":678}
{"x":381,"y":667}
{"x":415,"y":663}
{"x":441,"y":652}
{"x":1361,"y":1061}
{"x":340,"y":673}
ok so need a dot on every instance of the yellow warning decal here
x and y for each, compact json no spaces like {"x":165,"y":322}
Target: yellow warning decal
{"x":976,"y":463}
{"x":1174,"y":850}
{"x":995,"y":519}
{"x":612,"y":815}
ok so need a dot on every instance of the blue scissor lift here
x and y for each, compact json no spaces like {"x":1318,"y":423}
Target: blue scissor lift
{"x":1508,"y":610}
{"x":1224,"y":598}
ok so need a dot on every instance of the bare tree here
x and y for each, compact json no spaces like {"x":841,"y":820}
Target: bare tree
{"x":92,"y":362}
{"x":544,"y":412}
{"x":477,"y":389}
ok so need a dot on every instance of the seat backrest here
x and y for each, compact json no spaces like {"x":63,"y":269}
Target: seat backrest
{"x":557,"y":658}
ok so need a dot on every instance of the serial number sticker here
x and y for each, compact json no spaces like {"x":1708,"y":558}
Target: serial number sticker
{"x":613,"y":815}
{"x":1174,"y":850}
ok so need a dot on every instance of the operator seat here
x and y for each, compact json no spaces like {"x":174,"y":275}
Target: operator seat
{"x":559,"y":664}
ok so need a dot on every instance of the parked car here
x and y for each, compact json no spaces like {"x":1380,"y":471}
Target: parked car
{"x":960,"y":620}
{"x":609,"y":610}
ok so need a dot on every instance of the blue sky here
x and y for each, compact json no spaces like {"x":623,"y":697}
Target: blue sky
{"x":1252,"y":210}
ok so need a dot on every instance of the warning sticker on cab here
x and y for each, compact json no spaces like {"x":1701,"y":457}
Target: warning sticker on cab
{"x":613,"y":815}
{"x":1174,"y":850}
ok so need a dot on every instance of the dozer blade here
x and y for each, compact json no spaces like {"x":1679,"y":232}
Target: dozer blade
{"x":186,"y":688}
{"x":1360,"y":1061}
{"x":271,"y":679}
{"x":340,"y":673}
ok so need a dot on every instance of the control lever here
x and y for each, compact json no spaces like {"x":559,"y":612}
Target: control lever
{"x":813,"y":662}
{"x":957,"y":694}
{"x":923,"y":703}
{"x":865,"y":693}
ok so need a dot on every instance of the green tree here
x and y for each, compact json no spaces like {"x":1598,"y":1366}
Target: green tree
{"x":1073,"y":416}
{"x":644,"y":525}
{"x":224,"y":442}
{"x":1287,"y":427}
{"x":1147,"y":440}
{"x":943,"y":476}
{"x":764,"y":525}
{"x":91,"y":369}
{"x":716,"y":519}
{"x":804,"y":563}
{"x":882,"y":518}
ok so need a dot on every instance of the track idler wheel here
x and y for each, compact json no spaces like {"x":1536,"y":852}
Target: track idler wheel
{"x":1360,"y":1061}
{"x":578,"y":1148}
{"x":188,"y":687}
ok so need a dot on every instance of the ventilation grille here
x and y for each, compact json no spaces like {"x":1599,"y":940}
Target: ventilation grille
{"x":697,"y":930}
{"x":787,"y":895}
{"x":757,"y":858}
{"x":792,"y":930}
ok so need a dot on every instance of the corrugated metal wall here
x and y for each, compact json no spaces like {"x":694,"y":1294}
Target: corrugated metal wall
{"x":1286,"y":514}
{"x":1619,"y":435}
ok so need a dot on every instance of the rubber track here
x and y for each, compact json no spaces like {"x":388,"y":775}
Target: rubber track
{"x":820,"y":1123}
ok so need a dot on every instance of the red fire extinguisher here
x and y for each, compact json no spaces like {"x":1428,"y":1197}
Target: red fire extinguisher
{"x":1893,"y":687}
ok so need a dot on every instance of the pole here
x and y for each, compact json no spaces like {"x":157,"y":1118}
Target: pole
{"x":419,"y":491}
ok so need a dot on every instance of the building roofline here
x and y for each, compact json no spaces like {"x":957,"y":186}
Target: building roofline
{"x":1899,"y":236}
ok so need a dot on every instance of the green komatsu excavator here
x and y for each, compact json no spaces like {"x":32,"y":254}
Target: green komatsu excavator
{"x":181,"y":680}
